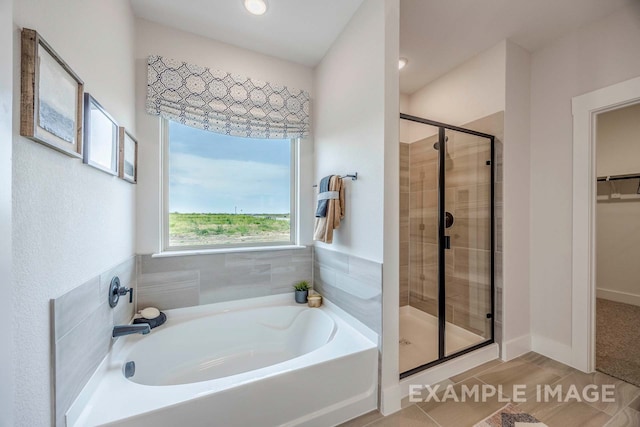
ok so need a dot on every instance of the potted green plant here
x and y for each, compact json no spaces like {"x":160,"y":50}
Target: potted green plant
{"x":302,"y":291}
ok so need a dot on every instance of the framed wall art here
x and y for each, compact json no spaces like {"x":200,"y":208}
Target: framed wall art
{"x":128,"y":157}
{"x":51,"y":97}
{"x":101,"y":137}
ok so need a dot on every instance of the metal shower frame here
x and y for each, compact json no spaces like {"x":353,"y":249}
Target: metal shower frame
{"x":442,"y":127}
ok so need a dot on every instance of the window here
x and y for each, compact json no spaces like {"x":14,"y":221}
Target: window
{"x":225,"y":191}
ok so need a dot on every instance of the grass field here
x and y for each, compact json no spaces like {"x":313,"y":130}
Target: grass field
{"x":191,"y":229}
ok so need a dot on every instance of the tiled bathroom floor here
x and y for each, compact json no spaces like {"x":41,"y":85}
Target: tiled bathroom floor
{"x":531,"y":369}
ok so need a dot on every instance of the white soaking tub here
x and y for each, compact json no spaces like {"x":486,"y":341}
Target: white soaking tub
{"x":259,"y":362}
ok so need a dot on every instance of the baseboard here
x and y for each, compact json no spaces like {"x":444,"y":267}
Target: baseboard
{"x":617,"y":296}
{"x":516,"y":347}
{"x":390,"y":400}
{"x":552,"y":349}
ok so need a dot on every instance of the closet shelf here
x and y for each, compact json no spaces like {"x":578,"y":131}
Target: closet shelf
{"x":612,"y":178}
{"x":618,"y":177}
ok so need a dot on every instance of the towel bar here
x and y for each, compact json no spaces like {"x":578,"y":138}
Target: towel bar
{"x":353,"y":177}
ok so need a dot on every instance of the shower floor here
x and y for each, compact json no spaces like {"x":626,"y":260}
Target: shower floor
{"x":419,"y":338}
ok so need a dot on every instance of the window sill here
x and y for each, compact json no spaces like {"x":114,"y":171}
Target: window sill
{"x":167,"y":254}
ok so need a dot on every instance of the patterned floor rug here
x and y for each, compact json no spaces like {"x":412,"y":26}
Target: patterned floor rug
{"x":509,"y":416}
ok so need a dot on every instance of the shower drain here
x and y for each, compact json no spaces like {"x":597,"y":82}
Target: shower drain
{"x":404,"y":341}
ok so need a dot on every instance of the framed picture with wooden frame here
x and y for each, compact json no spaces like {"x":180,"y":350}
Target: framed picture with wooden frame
{"x":101,"y":137}
{"x":51,"y":97}
{"x":128,"y":157}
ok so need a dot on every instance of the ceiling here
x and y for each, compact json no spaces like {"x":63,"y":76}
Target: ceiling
{"x":300,"y":31}
{"x":435,"y":35}
{"x":438,"y":35}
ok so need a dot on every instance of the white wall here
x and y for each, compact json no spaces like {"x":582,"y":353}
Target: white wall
{"x":618,"y":250}
{"x":156,"y":39}
{"x":473,"y":90}
{"x":404,"y":124}
{"x":349,"y":130}
{"x":6,"y":308}
{"x":357,"y":130}
{"x":390,"y":401}
{"x":515,"y":186}
{"x":404,"y":102}
{"x":70,"y":221}
{"x":596,"y":56}
{"x":618,"y":221}
{"x":618,"y":142}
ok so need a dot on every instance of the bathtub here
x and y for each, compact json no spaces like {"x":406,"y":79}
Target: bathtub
{"x":259,"y":362}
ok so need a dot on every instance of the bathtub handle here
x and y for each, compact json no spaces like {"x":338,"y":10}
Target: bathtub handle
{"x":116,"y":291}
{"x":122,"y":291}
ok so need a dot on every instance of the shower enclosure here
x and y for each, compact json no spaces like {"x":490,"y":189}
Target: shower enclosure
{"x":446,"y":242}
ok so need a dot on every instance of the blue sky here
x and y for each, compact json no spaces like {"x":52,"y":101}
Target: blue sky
{"x":212,"y":173}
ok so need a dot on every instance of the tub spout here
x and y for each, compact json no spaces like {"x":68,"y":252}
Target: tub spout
{"x":120,"y":330}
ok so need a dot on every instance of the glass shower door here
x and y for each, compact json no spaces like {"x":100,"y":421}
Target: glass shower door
{"x":419,"y":248}
{"x":446,"y":243}
{"x":467,"y":245}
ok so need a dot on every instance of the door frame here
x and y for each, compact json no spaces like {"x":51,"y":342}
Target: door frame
{"x":585,"y":109}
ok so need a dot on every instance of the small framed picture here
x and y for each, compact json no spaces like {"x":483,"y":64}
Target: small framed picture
{"x":101,"y":137}
{"x":51,"y":97}
{"x":128,"y":157}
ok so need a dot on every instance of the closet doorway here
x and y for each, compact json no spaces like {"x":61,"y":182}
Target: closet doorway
{"x":617,"y":243}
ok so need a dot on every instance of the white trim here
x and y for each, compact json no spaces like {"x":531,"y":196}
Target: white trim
{"x":555,"y":350}
{"x":294,"y":192}
{"x":164,"y":185}
{"x":617,"y":296}
{"x":168,"y":254}
{"x":516,"y":347}
{"x":585,"y":109}
{"x":448,"y":369}
{"x":390,"y":400}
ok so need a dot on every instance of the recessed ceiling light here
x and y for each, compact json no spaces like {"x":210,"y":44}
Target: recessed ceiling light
{"x":257,"y":7}
{"x":402,"y":63}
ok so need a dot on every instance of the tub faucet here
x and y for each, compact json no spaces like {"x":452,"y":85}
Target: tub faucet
{"x":140,"y":328}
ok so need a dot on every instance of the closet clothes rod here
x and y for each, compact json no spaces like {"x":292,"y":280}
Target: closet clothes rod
{"x":353,"y":177}
{"x":618,"y":177}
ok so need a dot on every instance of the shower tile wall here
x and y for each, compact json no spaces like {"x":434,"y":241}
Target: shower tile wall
{"x":494,"y":125}
{"x":404,"y":224}
{"x":467,"y":193}
{"x":423,"y":225}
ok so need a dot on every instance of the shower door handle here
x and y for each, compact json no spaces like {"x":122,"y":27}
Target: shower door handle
{"x":447,"y":242}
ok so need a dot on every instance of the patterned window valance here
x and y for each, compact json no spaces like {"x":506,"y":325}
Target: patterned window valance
{"x":225,"y":103}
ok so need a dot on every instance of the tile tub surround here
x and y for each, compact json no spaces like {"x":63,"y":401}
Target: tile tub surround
{"x":184,"y":281}
{"x":82,"y":322}
{"x":354,"y":284}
